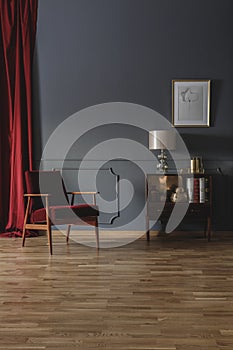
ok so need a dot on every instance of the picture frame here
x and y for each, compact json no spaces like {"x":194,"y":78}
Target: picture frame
{"x":191,"y":103}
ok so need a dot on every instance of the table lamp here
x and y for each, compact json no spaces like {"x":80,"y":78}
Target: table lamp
{"x":162,"y":140}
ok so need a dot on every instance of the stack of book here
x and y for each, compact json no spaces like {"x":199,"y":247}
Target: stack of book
{"x":197,"y":189}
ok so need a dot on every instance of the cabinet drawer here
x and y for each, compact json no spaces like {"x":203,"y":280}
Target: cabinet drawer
{"x":194,"y":210}
{"x":198,"y":209}
{"x":157,"y":211}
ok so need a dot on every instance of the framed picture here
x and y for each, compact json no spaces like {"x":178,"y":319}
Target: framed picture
{"x":191,"y":103}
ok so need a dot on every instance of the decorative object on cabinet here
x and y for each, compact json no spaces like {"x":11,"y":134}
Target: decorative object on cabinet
{"x":191,"y":103}
{"x":162,"y":140}
{"x":196,"y":165}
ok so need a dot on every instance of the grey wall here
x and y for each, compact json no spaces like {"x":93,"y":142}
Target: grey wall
{"x":94,"y":51}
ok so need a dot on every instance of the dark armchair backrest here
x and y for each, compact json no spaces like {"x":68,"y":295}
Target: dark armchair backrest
{"x":50,"y":182}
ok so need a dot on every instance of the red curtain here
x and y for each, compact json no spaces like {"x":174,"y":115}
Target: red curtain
{"x":17,"y":37}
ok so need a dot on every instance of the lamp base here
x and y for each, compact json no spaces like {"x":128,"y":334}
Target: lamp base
{"x":162,"y":166}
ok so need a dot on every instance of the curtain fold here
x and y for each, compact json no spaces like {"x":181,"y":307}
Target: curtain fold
{"x":17,"y":38}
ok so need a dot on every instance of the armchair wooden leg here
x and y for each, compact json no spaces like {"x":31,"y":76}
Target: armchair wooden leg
{"x":23,"y":236}
{"x":69,"y":226}
{"x":25,"y":222}
{"x":48,"y":224}
{"x":68,"y":233}
{"x":97,"y":233}
{"x":49,"y":232}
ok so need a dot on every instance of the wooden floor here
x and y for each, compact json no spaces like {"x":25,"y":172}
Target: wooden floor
{"x":175,"y":293}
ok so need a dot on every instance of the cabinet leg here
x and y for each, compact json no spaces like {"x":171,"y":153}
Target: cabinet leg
{"x":147,"y":229}
{"x":205,"y":228}
{"x":209,"y":228}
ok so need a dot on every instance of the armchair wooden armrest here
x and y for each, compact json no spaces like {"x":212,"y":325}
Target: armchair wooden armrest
{"x":36,"y":195}
{"x":75,"y":192}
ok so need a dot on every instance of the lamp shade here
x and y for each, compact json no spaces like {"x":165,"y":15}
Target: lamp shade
{"x":162,"y":139}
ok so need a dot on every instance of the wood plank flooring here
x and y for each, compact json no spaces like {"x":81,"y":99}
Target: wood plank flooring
{"x":174,"y":293}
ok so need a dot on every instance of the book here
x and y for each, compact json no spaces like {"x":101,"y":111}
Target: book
{"x":207,"y":189}
{"x":196,"y":190}
{"x":190,"y":188}
{"x":202,"y":190}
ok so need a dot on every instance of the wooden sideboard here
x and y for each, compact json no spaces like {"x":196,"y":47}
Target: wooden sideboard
{"x":163,"y":191}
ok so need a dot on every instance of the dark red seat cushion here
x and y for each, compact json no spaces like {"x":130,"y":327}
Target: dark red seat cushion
{"x":62,"y":213}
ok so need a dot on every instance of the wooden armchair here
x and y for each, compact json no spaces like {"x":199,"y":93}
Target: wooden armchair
{"x":48,"y":204}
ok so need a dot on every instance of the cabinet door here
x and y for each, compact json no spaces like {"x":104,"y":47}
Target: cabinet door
{"x":157,"y":195}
